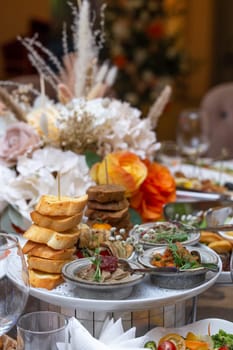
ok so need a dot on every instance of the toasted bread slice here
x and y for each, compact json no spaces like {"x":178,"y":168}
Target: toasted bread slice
{"x":56,"y":223}
{"x":51,"y":238}
{"x":208,"y":237}
{"x":46,"y":265}
{"x":221,"y":247}
{"x":45,"y":280}
{"x":8,"y":343}
{"x":28,"y":246}
{"x":65,"y":206}
{"x":43,"y":251}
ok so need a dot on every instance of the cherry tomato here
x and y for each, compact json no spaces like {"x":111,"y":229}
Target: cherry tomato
{"x":224,"y":347}
{"x":177,"y":341}
{"x":167,"y":345}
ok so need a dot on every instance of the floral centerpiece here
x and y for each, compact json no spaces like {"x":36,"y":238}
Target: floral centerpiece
{"x":43,"y":138}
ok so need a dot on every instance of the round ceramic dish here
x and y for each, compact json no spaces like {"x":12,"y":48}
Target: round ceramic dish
{"x":139,"y":231}
{"x":226,"y":235}
{"x":181,"y":279}
{"x":96,"y":290}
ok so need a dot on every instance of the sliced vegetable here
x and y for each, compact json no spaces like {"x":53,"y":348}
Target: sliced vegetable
{"x":176,"y":339}
{"x":167,"y":345}
{"x":196,"y":345}
{"x":192,"y":336}
{"x":150,"y":345}
{"x":101,"y":226}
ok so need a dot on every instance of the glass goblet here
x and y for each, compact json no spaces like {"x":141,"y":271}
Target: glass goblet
{"x":169,"y":154}
{"x":14,"y":282}
{"x":192,"y":133}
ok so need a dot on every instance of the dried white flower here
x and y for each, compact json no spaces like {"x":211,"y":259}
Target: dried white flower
{"x":111,"y":125}
{"x":36,"y":177}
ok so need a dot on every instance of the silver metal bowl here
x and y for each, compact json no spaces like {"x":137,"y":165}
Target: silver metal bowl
{"x":138,"y":231}
{"x":179,"y":280}
{"x":183,"y":279}
{"x":97,"y":290}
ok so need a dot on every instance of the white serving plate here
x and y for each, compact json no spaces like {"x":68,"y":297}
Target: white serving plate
{"x":224,"y":164}
{"x":144,"y":296}
{"x":227,"y":235}
{"x":199,"y":327}
{"x":202,"y":173}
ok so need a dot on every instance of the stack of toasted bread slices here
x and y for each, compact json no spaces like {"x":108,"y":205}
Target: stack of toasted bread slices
{"x":52,"y":238}
{"x":107,"y":203}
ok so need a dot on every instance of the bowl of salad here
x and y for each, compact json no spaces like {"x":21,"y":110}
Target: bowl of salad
{"x":154,"y":234}
{"x":191,"y":263}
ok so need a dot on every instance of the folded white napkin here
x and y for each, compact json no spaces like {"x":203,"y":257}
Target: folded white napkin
{"x":112,"y":337}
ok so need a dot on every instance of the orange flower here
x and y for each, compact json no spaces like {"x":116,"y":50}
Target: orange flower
{"x":158,"y":188}
{"x":123,"y":168}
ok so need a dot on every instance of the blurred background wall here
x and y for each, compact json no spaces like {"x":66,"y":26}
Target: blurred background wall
{"x":203,"y":31}
{"x":16,"y":19}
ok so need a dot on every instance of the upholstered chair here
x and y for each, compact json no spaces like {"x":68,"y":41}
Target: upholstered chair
{"x":218,"y":107}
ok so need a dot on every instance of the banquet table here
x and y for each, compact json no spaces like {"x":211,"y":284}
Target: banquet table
{"x":147,"y":307}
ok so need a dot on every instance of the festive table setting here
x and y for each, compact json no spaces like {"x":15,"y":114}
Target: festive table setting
{"x":94,"y":222}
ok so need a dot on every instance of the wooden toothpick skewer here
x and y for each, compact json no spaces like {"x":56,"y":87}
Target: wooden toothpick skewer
{"x":106,"y":170}
{"x":58,"y":185}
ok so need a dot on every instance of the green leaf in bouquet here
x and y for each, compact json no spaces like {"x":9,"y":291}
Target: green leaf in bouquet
{"x":5,"y":222}
{"x":92,"y":158}
{"x":135,"y":217}
{"x":12,"y":221}
{"x":18,"y":221}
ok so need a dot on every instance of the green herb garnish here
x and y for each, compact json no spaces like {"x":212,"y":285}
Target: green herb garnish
{"x":222,"y":338}
{"x":182,"y":258}
{"x":174,"y":237}
{"x":96,"y":261}
{"x":166,"y":232}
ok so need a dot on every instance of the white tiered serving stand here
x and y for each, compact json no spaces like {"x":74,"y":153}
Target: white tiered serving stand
{"x":147,"y":307}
